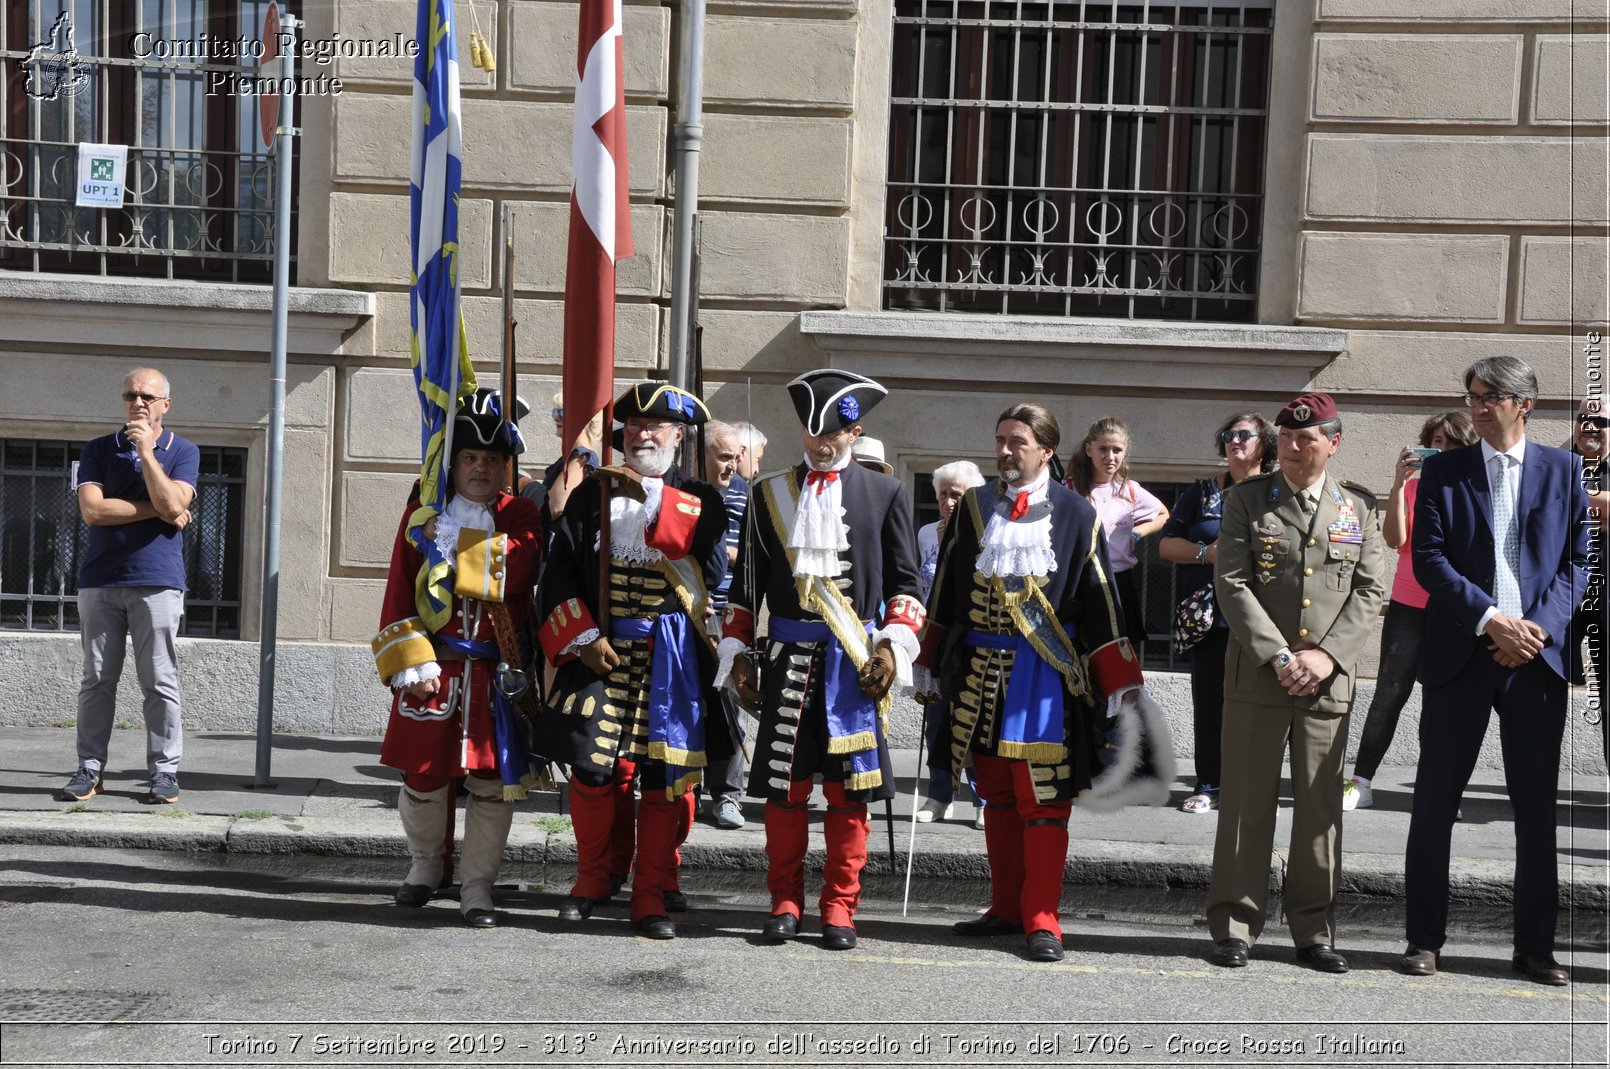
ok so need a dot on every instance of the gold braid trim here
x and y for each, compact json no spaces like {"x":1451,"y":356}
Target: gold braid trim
{"x":864,"y":781}
{"x":531,"y":781}
{"x":1069,"y":665}
{"x":861,"y":740}
{"x":671,"y":755}
{"x":1039,"y":753}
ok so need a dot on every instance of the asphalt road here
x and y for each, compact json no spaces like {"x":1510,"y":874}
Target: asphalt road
{"x":121,"y":957}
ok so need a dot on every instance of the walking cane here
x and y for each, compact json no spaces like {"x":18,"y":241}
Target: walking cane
{"x":916,"y":795}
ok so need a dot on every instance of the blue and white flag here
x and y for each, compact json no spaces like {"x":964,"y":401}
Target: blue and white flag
{"x":440,"y":354}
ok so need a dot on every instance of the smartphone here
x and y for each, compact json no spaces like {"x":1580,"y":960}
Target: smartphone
{"x":1420,"y":453}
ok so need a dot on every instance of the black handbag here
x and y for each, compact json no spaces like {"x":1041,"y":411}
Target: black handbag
{"x":1194,"y":617}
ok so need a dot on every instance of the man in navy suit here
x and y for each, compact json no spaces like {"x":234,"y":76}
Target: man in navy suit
{"x":1501,"y":545}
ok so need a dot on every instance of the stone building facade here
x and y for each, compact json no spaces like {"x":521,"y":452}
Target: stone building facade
{"x":1432,"y":189}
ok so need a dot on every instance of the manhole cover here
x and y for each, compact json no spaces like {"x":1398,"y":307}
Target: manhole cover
{"x":17,"y":1006}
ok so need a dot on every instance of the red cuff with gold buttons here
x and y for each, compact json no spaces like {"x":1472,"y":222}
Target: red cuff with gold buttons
{"x":1115,"y":666}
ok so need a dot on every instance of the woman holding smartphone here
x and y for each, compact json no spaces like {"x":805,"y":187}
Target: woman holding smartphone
{"x":1400,"y":633}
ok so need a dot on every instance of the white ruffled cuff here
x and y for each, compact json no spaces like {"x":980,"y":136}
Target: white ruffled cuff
{"x":652,"y":490}
{"x":727,"y":652}
{"x":447,"y":530}
{"x":905,"y":647}
{"x":416,"y":673}
{"x":588,"y":636}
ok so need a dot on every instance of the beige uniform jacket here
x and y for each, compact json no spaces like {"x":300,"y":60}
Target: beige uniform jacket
{"x":1285,"y":579}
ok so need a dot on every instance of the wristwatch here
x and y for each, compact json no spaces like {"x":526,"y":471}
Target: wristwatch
{"x":1201,"y":552}
{"x":1282,"y":659}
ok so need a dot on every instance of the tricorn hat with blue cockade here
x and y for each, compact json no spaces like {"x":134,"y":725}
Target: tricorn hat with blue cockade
{"x":660,"y":400}
{"x":829,"y":399}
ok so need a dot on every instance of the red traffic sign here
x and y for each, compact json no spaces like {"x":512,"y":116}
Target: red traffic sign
{"x":268,"y":103}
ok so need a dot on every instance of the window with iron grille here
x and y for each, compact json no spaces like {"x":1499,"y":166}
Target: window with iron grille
{"x":147,"y":74}
{"x":43,"y":537}
{"x":1077,"y":159}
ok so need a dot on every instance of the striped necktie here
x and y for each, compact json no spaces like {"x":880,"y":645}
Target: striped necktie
{"x":1507,"y":541}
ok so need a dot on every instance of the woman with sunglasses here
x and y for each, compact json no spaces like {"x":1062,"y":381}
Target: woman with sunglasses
{"x":1400,"y":630}
{"x":1190,"y":538}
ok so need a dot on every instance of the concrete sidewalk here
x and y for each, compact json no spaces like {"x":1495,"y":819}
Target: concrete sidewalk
{"x":330,"y":796}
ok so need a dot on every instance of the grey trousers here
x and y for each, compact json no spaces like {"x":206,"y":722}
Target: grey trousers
{"x":150,"y":615}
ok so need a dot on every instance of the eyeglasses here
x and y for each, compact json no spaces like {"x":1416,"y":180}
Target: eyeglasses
{"x":1487,"y":400}
{"x":1600,"y":422}
{"x":131,"y":396}
{"x":557,"y":414}
{"x":1241,"y":435}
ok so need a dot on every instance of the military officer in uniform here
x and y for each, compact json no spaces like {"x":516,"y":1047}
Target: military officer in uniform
{"x":631,"y":695}
{"x":1299,"y":581}
{"x":829,"y":547}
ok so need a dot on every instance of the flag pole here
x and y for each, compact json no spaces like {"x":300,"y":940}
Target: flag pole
{"x":268,"y":635}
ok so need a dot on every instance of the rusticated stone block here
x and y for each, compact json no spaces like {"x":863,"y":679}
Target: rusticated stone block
{"x":796,"y":258}
{"x":1569,"y":80}
{"x":1429,"y":78}
{"x":775,"y":159}
{"x":1456,"y":278}
{"x":1563,"y":280}
{"x":369,"y":240}
{"x":756,"y":60}
{"x":542,"y":48}
{"x":1414,"y":178}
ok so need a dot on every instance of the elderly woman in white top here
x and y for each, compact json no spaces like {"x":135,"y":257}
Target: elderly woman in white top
{"x":951,"y":482}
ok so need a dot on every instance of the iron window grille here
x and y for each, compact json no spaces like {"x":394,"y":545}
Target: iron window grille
{"x":43,"y":539}
{"x":200,"y":184}
{"x":1077,"y":159}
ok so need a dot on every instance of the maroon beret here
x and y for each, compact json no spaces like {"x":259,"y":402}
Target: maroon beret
{"x":1307,"y":410}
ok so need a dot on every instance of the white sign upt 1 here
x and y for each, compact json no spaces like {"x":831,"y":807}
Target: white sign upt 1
{"x":100,"y":175}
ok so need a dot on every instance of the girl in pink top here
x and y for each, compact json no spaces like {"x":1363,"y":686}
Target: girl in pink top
{"x":1400,"y":631}
{"x":1099,"y":469}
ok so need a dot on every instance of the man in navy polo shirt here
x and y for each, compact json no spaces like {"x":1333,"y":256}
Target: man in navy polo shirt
{"x":134,"y":492}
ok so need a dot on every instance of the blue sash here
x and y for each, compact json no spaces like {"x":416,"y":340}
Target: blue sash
{"x":852,"y":717}
{"x":1032,"y":709}
{"x":675,"y":708}
{"x":508,"y":741}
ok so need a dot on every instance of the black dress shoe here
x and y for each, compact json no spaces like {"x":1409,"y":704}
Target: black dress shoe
{"x":1542,"y":968}
{"x":675,"y":902}
{"x":414,"y":895}
{"x":480,"y":918}
{"x":988,"y":924}
{"x":838,"y":937}
{"x":658,"y":926}
{"x":1229,"y":954}
{"x":1418,"y":961}
{"x":1321,"y":957}
{"x":1045,"y":946}
{"x":780,"y":927}
{"x":576,"y":908}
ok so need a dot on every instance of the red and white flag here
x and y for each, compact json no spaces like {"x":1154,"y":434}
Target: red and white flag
{"x":600,"y":223}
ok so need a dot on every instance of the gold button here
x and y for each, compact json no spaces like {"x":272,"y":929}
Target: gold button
{"x":1311,"y":543}
{"x":1302,"y":632}
{"x":1308,"y":571}
{"x":1306,"y":603}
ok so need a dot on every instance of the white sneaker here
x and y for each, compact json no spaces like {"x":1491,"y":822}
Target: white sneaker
{"x":978,"y":818}
{"x":932,"y":809}
{"x":1356,"y":795}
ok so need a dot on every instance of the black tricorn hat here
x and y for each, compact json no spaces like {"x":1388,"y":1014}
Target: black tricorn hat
{"x":661,"y":400}
{"x":479,"y":424}
{"x":829,"y":399}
